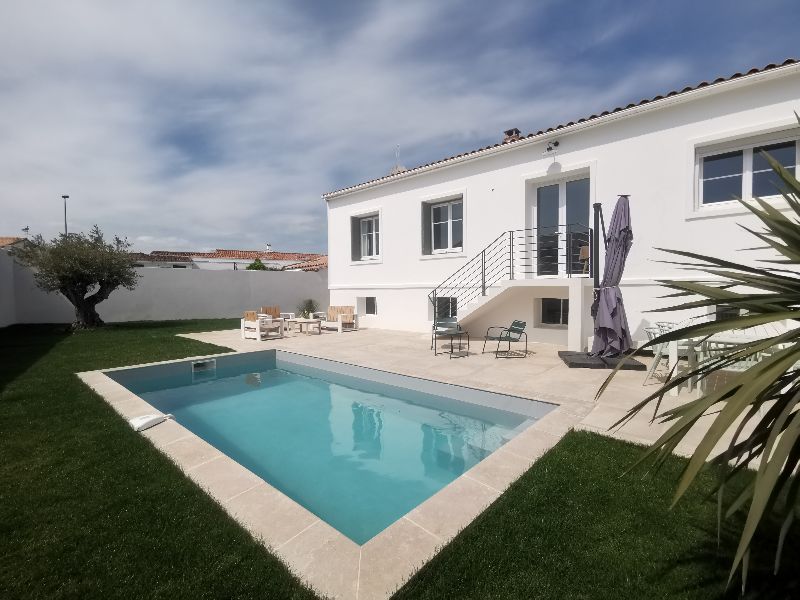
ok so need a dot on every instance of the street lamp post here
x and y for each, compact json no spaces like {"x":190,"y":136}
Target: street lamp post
{"x":65,"y":196}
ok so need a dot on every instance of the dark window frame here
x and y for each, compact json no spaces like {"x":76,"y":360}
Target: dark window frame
{"x":563,"y":310}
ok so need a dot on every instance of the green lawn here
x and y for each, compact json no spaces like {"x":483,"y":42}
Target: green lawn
{"x":88,"y":509}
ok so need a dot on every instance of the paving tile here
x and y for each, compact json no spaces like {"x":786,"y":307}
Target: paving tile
{"x":133,"y":407}
{"x":165,"y":433}
{"x":392,"y":557}
{"x":325,"y":559}
{"x":640,"y":426}
{"x":270,"y":515}
{"x":223,"y":478}
{"x":532,"y":443}
{"x":189,"y":452}
{"x":451,"y":509}
{"x":500,"y":469}
{"x":557,"y":422}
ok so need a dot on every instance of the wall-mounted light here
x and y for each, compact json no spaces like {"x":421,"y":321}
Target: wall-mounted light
{"x":551,"y":148}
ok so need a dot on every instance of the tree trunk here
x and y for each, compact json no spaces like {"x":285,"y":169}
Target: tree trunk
{"x":86,"y":316}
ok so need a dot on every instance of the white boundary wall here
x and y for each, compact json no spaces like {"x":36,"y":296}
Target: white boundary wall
{"x":164,"y":294}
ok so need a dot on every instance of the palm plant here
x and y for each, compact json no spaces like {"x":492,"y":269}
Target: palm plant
{"x":760,"y":406}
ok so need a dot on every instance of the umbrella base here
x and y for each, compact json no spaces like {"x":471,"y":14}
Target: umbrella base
{"x":584,"y":360}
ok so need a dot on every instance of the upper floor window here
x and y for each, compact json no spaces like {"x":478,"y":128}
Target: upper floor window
{"x":447,"y":225}
{"x":365,"y":243}
{"x":370,"y":237}
{"x":744,"y":172}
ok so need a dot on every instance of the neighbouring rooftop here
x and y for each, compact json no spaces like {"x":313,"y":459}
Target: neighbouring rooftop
{"x":315,"y":264}
{"x":9,"y":241}
{"x":221,"y":253}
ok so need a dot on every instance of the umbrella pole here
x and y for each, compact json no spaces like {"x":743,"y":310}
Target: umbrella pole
{"x":598,"y":208}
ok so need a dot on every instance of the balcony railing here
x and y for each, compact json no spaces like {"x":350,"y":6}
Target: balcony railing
{"x":560,"y":251}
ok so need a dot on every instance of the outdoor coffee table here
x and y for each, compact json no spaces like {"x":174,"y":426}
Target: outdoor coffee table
{"x":309,"y":325}
{"x":458,"y":333}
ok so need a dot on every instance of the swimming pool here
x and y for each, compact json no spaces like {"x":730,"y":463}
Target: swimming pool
{"x":359,"y":448}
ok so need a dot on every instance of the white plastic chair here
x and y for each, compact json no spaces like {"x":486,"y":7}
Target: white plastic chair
{"x":659,"y":351}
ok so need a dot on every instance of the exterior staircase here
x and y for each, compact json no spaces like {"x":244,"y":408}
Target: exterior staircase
{"x":514,"y":258}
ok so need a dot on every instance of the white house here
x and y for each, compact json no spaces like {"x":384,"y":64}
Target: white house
{"x":507,"y":228}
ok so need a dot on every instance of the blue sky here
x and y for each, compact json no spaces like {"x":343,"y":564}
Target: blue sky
{"x":198,"y":124}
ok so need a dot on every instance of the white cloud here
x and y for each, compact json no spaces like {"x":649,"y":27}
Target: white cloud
{"x":219,"y":124}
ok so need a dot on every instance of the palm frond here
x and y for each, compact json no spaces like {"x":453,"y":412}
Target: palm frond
{"x":755,"y":413}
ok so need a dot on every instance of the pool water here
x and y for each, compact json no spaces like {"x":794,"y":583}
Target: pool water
{"x":358,"y":454}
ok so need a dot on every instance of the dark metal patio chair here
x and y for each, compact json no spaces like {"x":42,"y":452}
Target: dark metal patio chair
{"x":513,"y":333}
{"x":446,"y":327}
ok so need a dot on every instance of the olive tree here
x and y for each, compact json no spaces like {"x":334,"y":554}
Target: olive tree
{"x":84,"y":268}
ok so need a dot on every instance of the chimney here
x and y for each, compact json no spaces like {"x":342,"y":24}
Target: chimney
{"x":512,"y":135}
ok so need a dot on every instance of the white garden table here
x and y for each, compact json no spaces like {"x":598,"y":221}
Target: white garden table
{"x":697,"y":349}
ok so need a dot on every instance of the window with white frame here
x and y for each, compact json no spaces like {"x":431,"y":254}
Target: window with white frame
{"x":447,"y":225}
{"x":743,"y":172}
{"x":365,"y":237}
{"x":366,"y":305}
{"x":370,"y":237}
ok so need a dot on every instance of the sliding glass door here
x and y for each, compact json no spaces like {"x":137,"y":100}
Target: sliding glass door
{"x":562,"y":228}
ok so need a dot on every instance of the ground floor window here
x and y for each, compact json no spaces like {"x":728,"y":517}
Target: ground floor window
{"x":555,"y":311}
{"x":725,"y":312}
{"x":446,"y":307}
{"x":367,"y":305}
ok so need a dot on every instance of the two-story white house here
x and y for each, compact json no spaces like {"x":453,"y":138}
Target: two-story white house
{"x":505,"y":232}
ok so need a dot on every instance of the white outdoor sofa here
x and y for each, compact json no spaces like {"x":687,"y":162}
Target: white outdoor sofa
{"x":340,"y":318}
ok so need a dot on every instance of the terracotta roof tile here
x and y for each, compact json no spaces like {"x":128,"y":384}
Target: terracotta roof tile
{"x":315,"y":264}
{"x":753,"y":71}
{"x":9,"y":241}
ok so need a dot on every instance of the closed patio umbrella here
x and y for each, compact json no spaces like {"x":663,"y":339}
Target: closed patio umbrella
{"x":611,"y":334}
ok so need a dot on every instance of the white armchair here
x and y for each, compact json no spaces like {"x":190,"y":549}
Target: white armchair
{"x":255,"y":327}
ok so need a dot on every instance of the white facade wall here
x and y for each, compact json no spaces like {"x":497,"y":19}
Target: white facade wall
{"x":650,"y":154}
{"x":166,"y":294}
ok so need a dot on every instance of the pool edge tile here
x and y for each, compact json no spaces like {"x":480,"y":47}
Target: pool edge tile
{"x":453,"y":507}
{"x":269,"y":515}
{"x":166,"y":433}
{"x":222,"y":477}
{"x":500,"y":469}
{"x":188,"y":451}
{"x":390,"y":558}
{"x":325,"y":559}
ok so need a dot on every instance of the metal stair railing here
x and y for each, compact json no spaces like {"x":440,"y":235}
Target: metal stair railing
{"x":562,"y":251}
